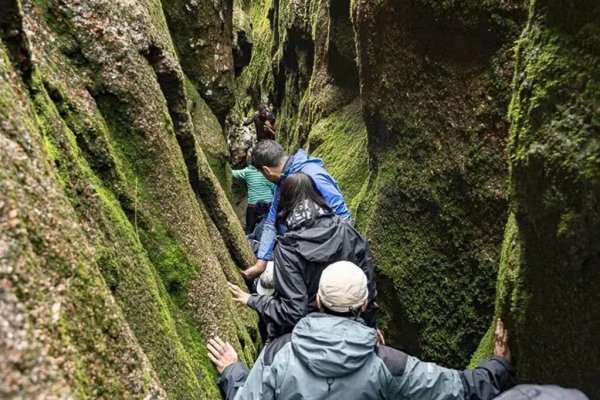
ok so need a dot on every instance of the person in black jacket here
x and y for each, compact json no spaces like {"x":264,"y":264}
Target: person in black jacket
{"x":315,"y":238}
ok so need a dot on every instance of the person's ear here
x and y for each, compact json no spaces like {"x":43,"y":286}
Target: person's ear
{"x":266,"y":170}
{"x":319,"y":306}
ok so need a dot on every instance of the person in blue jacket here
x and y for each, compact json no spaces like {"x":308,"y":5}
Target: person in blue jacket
{"x":269,"y":157}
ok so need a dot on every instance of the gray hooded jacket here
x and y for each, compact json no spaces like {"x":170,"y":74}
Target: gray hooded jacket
{"x":329,"y":357}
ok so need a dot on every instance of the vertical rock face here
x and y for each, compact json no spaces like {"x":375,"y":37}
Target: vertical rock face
{"x":434,"y":93}
{"x":116,"y":237}
{"x":202,"y":31}
{"x":550,"y":269}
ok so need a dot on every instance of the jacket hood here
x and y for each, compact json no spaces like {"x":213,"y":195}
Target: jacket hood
{"x":303,"y":213}
{"x":301,"y":159}
{"x":321,"y":241}
{"x":332,"y":347}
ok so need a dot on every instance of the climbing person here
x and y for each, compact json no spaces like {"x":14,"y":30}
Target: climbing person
{"x":264,"y":122}
{"x":260,"y":195}
{"x":269,"y":157}
{"x":333,"y":355}
{"x":541,"y":392}
{"x":315,"y":238}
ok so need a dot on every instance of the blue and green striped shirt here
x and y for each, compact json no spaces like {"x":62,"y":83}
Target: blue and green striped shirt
{"x":259,"y":188}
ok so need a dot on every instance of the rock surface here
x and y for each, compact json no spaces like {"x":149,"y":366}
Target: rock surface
{"x":117,"y":237}
{"x":549,"y":271}
{"x":117,"y":230}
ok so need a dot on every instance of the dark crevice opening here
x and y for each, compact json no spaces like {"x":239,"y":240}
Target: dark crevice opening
{"x":172,"y":86}
{"x":242,"y":53}
{"x":13,"y":35}
{"x":341,"y":61}
{"x":295,"y":67}
{"x":174,"y":93}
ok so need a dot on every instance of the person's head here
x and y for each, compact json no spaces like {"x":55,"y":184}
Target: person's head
{"x":343,"y":290}
{"x":297,"y":189}
{"x":269,"y":158}
{"x":263,"y":110}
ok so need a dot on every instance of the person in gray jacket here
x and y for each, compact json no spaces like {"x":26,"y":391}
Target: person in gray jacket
{"x":334,"y":355}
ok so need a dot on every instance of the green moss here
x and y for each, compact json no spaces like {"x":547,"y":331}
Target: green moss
{"x":110,"y":141}
{"x":202,"y":35}
{"x":547,"y":284}
{"x":57,"y":285}
{"x":74,"y":171}
{"x":340,"y":140}
{"x":436,"y":191}
{"x":509,"y":290}
{"x":210,"y":136}
{"x":256,"y":82}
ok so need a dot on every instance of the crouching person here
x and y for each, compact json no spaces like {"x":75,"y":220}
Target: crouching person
{"x":334,"y":355}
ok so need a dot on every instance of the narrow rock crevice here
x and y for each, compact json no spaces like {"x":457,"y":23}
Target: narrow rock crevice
{"x":203,"y":181}
{"x":13,"y":35}
{"x":341,"y":58}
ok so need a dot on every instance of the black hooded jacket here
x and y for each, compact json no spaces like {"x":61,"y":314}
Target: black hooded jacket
{"x":312,"y":243}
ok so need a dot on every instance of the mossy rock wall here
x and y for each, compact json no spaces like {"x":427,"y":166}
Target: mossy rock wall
{"x":202,"y":33}
{"x":117,"y":238}
{"x":550,"y":269}
{"x":435,"y":92}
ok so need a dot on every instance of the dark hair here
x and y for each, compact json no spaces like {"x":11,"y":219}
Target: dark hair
{"x":267,"y":153}
{"x":294,"y":190}
{"x":262,"y":107}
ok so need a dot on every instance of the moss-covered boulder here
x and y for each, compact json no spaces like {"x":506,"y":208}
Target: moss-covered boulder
{"x":112,"y":198}
{"x":549,"y":273}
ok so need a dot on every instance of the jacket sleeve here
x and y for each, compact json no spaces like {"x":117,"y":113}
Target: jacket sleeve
{"x":239,"y":173}
{"x":331,"y":193}
{"x":255,"y":387}
{"x":291,"y":304}
{"x":232,"y":378}
{"x":488,"y":379}
{"x":425,"y":381}
{"x":267,"y":240}
{"x":250,"y":120}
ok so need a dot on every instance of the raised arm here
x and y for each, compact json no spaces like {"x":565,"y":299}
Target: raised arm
{"x":267,"y":241}
{"x":421,"y":380}
{"x":239,"y":173}
{"x":249,"y":121}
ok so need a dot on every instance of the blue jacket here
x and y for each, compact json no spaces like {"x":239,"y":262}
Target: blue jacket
{"x":336,"y":358}
{"x":328,"y":187}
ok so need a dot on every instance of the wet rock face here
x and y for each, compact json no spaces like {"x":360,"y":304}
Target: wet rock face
{"x":116,"y":235}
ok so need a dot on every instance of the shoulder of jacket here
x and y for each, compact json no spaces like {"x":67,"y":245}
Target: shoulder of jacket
{"x":274,"y":347}
{"x":394,"y":360}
